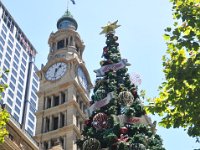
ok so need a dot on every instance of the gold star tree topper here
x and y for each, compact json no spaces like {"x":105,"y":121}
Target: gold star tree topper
{"x":110,"y":27}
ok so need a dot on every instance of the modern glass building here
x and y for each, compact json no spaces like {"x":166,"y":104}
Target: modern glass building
{"x":17,"y":55}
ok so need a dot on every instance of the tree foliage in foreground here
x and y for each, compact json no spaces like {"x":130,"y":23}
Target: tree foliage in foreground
{"x":4,"y":116}
{"x":179,"y":96}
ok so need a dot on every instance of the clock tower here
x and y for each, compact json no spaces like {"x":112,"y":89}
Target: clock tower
{"x":64,"y":89}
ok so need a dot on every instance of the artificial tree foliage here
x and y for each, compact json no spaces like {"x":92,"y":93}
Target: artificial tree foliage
{"x":108,"y":123}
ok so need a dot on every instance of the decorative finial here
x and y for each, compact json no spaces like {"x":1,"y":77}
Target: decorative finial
{"x":110,"y":27}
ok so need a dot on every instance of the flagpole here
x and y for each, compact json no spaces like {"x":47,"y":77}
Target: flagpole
{"x":67,"y":4}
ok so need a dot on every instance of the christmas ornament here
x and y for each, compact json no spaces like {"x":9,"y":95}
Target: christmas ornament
{"x":123,"y":130}
{"x":114,"y":49}
{"x":87,"y":122}
{"x":137,"y":146}
{"x":109,"y":35}
{"x":92,"y":102}
{"x":110,"y":27}
{"x":126,"y":97}
{"x":123,"y":138}
{"x":134,"y":92}
{"x":91,"y":144}
{"x":116,"y":44}
{"x":115,"y":38}
{"x":135,"y":79}
{"x":116,"y":66}
{"x":100,"y":93}
{"x":105,"y":52}
{"x":114,"y":146}
{"x":101,"y":103}
{"x":100,"y":121}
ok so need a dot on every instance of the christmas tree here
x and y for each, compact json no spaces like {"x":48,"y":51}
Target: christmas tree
{"x":117,"y":118}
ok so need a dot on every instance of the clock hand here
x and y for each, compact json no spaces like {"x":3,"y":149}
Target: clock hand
{"x":55,"y":72}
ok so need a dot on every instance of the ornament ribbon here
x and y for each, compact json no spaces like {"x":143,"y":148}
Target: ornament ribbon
{"x":101,"y":72}
{"x":100,"y":103}
{"x":144,"y":119}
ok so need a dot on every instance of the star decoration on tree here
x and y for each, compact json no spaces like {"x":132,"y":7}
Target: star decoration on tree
{"x":110,"y":27}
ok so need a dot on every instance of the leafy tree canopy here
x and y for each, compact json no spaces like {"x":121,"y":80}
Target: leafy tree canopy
{"x":4,"y":115}
{"x":179,"y":95}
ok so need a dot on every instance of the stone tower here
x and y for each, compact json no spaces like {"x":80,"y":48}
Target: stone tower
{"x":64,"y":89}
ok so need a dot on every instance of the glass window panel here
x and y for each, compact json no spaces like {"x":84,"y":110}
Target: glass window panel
{"x":35,"y":83}
{"x":19,"y":95}
{"x":10,"y":93}
{"x":22,"y":74}
{"x":18,"y":102}
{"x":17,"y":110}
{"x":2,"y":40}
{"x":16,"y":59}
{"x":31,"y":117}
{"x":25,"y":55}
{"x":8,"y":57}
{"x":4,"y":28}
{"x":30,"y":131}
{"x":18,"y":46}
{"x":11,"y":38}
{"x":7,"y":64}
{"x":1,"y":48}
{"x":9,"y":50}
{"x":23,"y":68}
{"x":13,"y":79}
{"x":3,"y":34}
{"x":10,"y":44}
{"x":9,"y":101}
{"x":20,"y":87}
{"x":30,"y":124}
{"x":16,"y":117}
{"x":23,"y":61}
{"x":14,"y":72}
{"x":12,"y":86}
{"x":15,"y":65}
{"x":33,"y":103}
{"x":21,"y":81}
{"x":17,"y":53}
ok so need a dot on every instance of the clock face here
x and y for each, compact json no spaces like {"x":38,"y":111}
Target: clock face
{"x":82,"y":78}
{"x":56,"y":71}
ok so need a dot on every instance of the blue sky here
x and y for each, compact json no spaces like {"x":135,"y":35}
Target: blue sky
{"x":140,"y":38}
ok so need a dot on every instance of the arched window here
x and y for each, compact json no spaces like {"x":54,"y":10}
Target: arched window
{"x":77,"y":48}
{"x":71,"y":41}
{"x":67,"y":42}
{"x":60,"y":44}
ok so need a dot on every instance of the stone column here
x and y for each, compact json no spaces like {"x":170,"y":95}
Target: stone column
{"x":52,"y":101}
{"x":41,"y":146}
{"x":68,"y":40}
{"x":66,"y":95}
{"x":44,"y":124}
{"x":60,"y":98}
{"x":59,"y":120}
{"x":73,"y":41}
{"x":49,"y":144}
{"x":45,"y":102}
{"x":51,"y":123}
{"x":65,"y":121}
{"x":64,"y":144}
